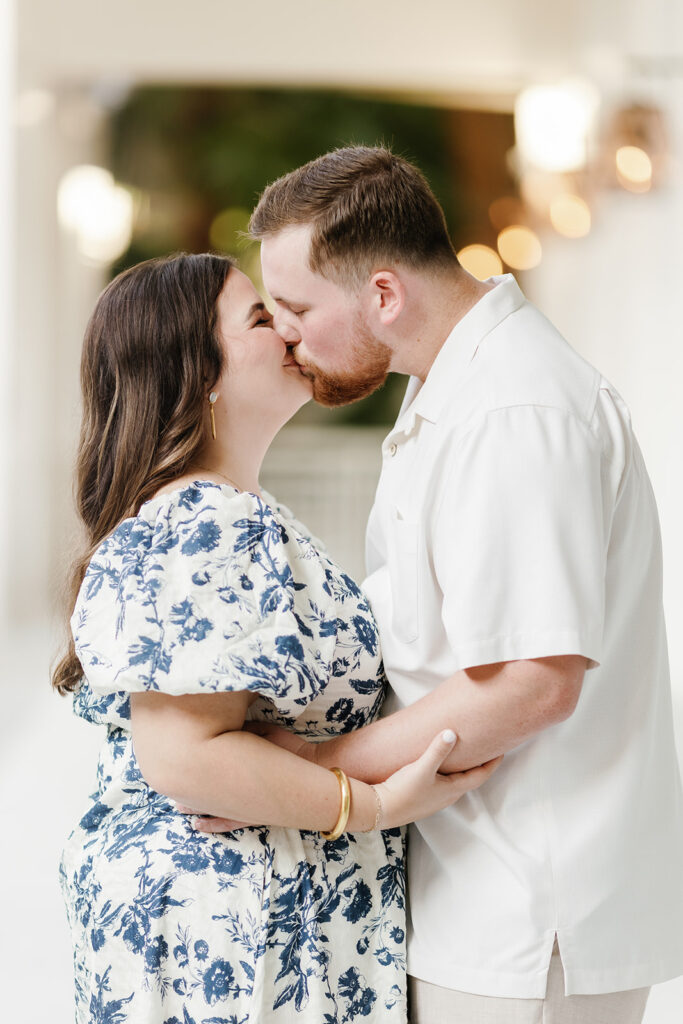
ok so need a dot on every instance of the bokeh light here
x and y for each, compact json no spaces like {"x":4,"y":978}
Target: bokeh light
{"x":519,"y":247}
{"x":570,"y":215}
{"x":97,"y":211}
{"x":481,"y":261}
{"x":634,"y":168}
{"x":553,"y":124}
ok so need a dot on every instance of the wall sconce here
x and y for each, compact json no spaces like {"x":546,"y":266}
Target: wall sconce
{"x":635,"y":148}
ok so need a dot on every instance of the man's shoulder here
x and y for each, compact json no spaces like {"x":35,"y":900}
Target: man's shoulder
{"x":525,"y":361}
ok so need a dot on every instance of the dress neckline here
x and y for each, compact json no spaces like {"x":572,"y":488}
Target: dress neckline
{"x":209,"y":483}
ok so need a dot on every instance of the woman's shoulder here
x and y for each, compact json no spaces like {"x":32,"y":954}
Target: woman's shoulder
{"x":200,"y":520}
{"x":191,"y":516}
{"x":185,"y":542}
{"x":201,"y":525}
{"x":196,"y":496}
{"x":205,"y":579}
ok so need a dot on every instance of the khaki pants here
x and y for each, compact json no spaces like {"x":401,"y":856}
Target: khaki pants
{"x":431,"y":1004}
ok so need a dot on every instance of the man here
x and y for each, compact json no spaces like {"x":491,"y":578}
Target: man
{"x":515,"y":573}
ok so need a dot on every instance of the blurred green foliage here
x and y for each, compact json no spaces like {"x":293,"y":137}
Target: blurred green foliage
{"x":199,"y":157}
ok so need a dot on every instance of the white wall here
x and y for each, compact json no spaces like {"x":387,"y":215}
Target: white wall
{"x":436,"y":44}
{"x":7,"y":56}
{"x":453,"y":47}
{"x":55,"y":292}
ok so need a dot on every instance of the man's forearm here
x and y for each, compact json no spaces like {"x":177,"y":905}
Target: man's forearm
{"x":492,"y":709}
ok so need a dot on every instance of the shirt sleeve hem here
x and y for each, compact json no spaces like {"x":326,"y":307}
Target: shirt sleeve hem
{"x":527,"y":646}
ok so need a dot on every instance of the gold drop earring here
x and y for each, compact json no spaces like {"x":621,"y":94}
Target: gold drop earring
{"x":212,"y":401}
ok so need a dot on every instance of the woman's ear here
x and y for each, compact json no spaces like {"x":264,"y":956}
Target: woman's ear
{"x":387,"y":296}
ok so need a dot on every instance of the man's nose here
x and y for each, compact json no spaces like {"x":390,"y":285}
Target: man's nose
{"x":285,"y":328}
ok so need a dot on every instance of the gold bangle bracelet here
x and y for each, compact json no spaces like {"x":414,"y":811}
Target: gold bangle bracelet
{"x":345,"y":808}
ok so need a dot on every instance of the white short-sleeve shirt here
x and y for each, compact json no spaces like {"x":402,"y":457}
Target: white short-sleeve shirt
{"x":514,"y":519}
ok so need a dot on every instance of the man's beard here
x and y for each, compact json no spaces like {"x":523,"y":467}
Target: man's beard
{"x":368,"y":368}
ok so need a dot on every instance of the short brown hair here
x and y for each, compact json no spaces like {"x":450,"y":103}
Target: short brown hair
{"x":366,"y":206}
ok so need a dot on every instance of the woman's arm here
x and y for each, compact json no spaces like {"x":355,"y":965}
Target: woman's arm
{"x":193,"y":750}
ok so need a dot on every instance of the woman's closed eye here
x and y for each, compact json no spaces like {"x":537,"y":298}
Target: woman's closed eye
{"x":263,"y":318}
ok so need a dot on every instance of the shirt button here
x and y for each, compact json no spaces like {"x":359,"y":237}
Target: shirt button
{"x":393,"y":448}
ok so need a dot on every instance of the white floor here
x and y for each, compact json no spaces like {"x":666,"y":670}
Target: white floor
{"x":47,"y":759}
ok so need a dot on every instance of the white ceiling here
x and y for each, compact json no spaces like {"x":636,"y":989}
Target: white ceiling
{"x":484,"y":51}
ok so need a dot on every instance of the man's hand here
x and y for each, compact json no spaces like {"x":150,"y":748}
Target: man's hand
{"x":201,"y":823}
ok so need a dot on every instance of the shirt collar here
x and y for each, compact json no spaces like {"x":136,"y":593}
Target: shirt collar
{"x":428,"y":399}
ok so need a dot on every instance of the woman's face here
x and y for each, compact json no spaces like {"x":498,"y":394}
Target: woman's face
{"x":261,"y":377}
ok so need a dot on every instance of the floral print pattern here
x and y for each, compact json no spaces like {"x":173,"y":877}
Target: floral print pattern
{"x":205,"y":590}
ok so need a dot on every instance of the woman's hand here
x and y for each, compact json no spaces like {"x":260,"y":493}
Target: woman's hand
{"x":419,"y":790}
{"x":415,"y":791}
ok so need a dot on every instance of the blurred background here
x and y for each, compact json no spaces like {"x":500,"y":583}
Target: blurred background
{"x":552,"y":135}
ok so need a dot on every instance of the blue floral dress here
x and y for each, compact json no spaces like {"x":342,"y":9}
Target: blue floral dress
{"x":207,"y":590}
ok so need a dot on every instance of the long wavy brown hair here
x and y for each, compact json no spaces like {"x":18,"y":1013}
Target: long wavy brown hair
{"x":150,"y":356}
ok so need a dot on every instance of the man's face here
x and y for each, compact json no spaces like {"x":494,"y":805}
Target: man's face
{"x":322,"y":322}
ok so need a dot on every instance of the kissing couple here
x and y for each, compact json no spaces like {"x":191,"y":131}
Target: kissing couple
{"x":500,"y":679}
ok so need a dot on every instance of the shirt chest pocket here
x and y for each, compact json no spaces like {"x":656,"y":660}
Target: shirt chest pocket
{"x":404,"y":542}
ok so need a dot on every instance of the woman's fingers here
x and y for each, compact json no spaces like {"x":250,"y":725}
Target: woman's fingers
{"x":474,"y":777}
{"x":438,"y":750}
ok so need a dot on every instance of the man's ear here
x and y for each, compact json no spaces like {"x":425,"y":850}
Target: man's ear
{"x":387,"y":296}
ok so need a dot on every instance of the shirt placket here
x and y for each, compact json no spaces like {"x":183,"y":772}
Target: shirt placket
{"x":394,"y":464}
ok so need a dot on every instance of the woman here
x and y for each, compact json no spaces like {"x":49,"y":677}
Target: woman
{"x":200,"y":603}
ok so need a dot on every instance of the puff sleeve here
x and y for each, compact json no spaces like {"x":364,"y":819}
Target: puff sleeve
{"x":205,"y":591}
